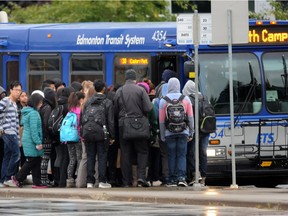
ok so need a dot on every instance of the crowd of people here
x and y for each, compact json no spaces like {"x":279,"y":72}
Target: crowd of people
{"x":106,"y":154}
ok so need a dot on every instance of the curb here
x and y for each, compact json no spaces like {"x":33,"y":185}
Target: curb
{"x":222,"y":197}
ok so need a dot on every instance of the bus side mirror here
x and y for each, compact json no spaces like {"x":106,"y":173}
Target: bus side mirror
{"x":189,"y":69}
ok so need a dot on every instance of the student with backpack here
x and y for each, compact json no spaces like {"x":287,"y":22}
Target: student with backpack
{"x":176,"y":128}
{"x":70,"y":134}
{"x":160,"y":92}
{"x":97,"y":129}
{"x":207,"y":125}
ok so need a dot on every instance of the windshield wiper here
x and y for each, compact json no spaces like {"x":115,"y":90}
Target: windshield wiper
{"x":251,"y":92}
{"x":285,"y":76}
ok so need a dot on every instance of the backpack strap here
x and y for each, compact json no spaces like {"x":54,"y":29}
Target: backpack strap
{"x":170,"y":101}
{"x":167,"y":99}
{"x":181,"y":97}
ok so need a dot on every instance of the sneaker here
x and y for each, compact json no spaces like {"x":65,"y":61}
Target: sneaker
{"x":2,"y":185}
{"x":39,"y":186}
{"x":104,"y":185}
{"x":142,"y":183}
{"x":70,"y":183}
{"x":156,"y":183}
{"x":9,"y":183}
{"x":182,"y":183}
{"x":15,"y":181}
{"x":202,"y":181}
{"x":171,"y":184}
{"x":90,"y":185}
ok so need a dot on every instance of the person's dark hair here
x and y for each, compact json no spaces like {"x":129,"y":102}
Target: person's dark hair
{"x":14,"y":84}
{"x":34,"y":100}
{"x":99,"y":85}
{"x":74,"y":98}
{"x":47,"y":83}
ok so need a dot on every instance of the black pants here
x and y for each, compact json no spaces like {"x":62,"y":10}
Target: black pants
{"x":31,"y":164}
{"x":154,"y":164}
{"x":100,"y":148}
{"x":142,"y":152}
{"x":112,"y":159}
{"x":62,"y":161}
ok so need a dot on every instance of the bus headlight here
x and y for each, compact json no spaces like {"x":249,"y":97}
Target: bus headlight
{"x":216,"y":152}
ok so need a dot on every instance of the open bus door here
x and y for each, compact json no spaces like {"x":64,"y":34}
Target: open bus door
{"x":167,"y":61}
{"x":10,"y":68}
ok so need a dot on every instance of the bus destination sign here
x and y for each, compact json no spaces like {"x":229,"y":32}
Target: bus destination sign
{"x":268,"y":35}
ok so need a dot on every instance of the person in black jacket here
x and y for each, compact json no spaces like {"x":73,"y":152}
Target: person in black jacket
{"x":100,"y":146}
{"x":137,"y":103}
{"x":49,"y":103}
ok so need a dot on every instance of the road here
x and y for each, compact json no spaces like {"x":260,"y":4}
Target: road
{"x":55,"y":207}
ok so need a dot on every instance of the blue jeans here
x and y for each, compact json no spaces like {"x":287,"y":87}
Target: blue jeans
{"x":177,"y":150}
{"x":11,"y":157}
{"x":203,"y":144}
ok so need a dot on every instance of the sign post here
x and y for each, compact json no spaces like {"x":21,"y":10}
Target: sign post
{"x":187,"y":34}
{"x":231,"y":13}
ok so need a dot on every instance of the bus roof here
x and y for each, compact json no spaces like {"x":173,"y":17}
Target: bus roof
{"x":86,"y":37}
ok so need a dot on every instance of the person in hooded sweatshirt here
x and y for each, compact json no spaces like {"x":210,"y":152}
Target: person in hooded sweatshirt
{"x":49,"y":103}
{"x":32,"y":140}
{"x":99,"y":147}
{"x":166,"y":75}
{"x":190,"y":90}
{"x":176,"y":142}
{"x":160,"y":92}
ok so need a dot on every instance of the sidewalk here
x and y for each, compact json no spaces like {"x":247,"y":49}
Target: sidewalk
{"x":275,"y":198}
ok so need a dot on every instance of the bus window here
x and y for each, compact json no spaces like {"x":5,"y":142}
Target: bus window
{"x":276,"y":81}
{"x":42,"y":67}
{"x":86,"y":67}
{"x":12,"y":71}
{"x":140,"y":63}
{"x":214,"y":82}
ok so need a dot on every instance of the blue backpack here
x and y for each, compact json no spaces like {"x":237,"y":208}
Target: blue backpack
{"x":68,"y":129}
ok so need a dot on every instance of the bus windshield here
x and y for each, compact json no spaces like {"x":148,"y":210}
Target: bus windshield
{"x":214,"y":81}
{"x":275,"y":72}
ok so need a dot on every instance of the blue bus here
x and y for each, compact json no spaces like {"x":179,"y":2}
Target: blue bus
{"x":86,"y":51}
{"x":32,"y":53}
{"x":260,"y":91}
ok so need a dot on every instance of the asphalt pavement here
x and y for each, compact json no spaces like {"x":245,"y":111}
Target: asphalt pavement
{"x":245,"y":196}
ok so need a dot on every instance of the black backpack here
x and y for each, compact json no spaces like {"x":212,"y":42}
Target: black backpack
{"x":93,"y":119}
{"x":176,"y":116}
{"x":55,"y":121}
{"x":207,"y":119}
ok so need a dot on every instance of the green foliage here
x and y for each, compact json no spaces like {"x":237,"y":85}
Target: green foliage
{"x":280,"y":9}
{"x":90,"y":11}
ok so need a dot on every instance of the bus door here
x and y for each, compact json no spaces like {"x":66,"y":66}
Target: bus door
{"x":166,"y":61}
{"x":10,"y":69}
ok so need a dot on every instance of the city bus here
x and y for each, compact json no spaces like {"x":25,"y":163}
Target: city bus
{"x":32,"y":53}
{"x":260,"y":91}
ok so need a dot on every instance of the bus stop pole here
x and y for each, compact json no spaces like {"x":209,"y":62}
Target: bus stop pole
{"x":229,"y":22}
{"x":196,"y":114}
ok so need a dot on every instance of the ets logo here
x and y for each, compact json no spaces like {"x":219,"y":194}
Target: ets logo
{"x":265,"y":138}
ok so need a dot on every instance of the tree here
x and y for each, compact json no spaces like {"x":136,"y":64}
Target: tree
{"x":89,"y":11}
